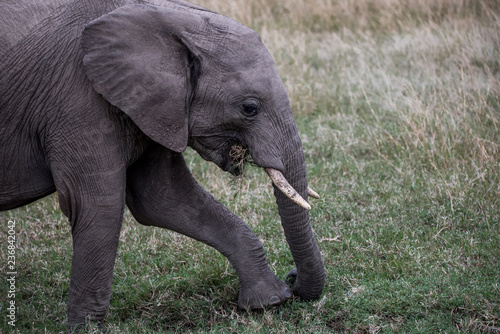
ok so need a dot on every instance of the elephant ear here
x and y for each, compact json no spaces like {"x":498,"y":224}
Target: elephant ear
{"x":137,"y":59}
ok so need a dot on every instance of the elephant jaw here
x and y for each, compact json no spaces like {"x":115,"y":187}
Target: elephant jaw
{"x":282,"y":184}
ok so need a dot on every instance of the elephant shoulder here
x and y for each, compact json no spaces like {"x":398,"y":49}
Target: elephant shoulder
{"x":18,"y":18}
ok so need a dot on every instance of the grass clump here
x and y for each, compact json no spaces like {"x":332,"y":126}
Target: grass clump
{"x":398,"y":107}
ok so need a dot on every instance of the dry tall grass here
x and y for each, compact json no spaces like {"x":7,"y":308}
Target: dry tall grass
{"x":427,"y":71}
{"x":320,"y":15}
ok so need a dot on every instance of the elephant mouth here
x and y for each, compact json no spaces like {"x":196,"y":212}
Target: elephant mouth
{"x":239,"y":157}
{"x":232,"y":155}
{"x":229,"y":153}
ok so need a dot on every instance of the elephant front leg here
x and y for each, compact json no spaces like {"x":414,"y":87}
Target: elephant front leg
{"x":162,"y":192}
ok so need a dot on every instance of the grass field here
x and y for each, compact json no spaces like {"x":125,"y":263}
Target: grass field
{"x":398,"y":107}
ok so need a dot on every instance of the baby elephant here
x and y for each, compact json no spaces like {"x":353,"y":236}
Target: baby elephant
{"x":98,"y":100}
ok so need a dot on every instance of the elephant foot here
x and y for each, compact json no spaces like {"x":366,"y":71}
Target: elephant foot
{"x":265,"y":292}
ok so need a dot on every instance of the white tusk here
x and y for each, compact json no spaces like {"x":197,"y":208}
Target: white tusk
{"x":282,"y":184}
{"x":312,"y":193}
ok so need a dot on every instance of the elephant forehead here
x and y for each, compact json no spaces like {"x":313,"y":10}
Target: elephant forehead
{"x":247,"y":50}
{"x":245,"y":83}
{"x":250,"y":66}
{"x":259,"y":77}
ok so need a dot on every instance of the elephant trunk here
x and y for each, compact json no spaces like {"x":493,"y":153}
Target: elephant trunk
{"x":310,"y":278}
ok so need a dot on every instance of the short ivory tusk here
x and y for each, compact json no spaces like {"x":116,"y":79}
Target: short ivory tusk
{"x":285,"y":187}
{"x":312,"y":193}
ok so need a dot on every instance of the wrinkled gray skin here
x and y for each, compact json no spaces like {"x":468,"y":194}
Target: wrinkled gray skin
{"x":97,"y":101}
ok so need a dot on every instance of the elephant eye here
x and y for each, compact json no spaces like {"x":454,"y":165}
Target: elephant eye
{"x":250,"y":110}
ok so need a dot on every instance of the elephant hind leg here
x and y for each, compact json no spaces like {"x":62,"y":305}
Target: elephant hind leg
{"x":94,"y":202}
{"x":96,"y":225}
{"x":162,"y":192}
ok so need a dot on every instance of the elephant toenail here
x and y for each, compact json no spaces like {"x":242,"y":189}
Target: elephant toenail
{"x":274,"y":300}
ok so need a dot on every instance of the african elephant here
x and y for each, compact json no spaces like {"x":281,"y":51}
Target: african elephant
{"x":98,"y":100}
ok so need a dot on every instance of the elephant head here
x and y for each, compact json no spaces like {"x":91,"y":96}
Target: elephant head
{"x":187,"y":76}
